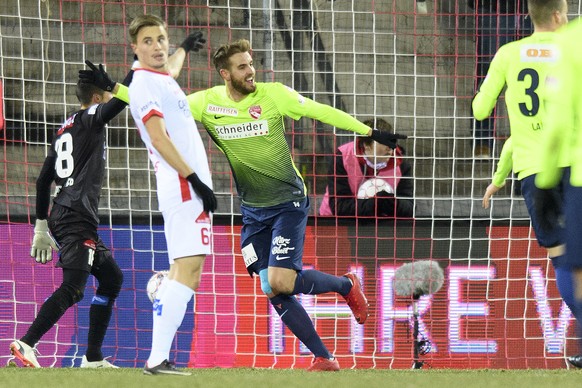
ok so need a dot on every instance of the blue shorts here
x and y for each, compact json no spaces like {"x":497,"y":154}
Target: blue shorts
{"x":274,"y":236}
{"x":546,"y":238}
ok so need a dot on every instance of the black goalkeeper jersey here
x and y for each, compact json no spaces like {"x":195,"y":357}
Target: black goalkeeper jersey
{"x":79,"y":152}
{"x":76,"y":162}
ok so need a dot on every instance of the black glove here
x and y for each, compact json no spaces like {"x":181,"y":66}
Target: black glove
{"x":204,"y":192}
{"x":193,"y":42}
{"x":548,"y":207}
{"x":97,"y":77}
{"x":386,"y":138}
{"x":385,"y":203}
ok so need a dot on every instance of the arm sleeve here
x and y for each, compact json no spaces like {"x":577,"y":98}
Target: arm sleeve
{"x":145,"y":95}
{"x":43,"y":186}
{"x":505,"y":163}
{"x":123,"y":93}
{"x":294,"y":105}
{"x":196,"y":103}
{"x":486,"y":98}
{"x":112,"y":108}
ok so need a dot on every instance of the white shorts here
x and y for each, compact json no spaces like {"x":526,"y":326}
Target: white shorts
{"x":188,"y":230}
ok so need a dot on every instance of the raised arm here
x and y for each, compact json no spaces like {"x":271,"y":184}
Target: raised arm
{"x":99,"y":77}
{"x":193,"y":42}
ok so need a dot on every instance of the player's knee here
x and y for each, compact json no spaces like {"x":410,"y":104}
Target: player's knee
{"x":281,"y":285}
{"x":72,"y":293}
{"x":265,"y":286}
{"x":111,"y":287}
{"x":110,"y":280}
{"x":282,"y":282}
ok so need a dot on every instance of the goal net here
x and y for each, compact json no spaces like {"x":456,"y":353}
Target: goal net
{"x":498,"y":307}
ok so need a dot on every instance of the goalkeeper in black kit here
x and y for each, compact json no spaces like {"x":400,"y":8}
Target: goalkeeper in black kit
{"x":76,"y":163}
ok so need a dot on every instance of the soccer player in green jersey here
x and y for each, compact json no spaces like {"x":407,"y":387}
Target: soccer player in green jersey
{"x":523,"y":66}
{"x":246,"y":120}
{"x":563,"y":141}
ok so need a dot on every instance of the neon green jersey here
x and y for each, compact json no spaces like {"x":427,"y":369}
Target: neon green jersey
{"x":563,"y":138}
{"x":251,"y":133}
{"x":523,"y":66}
{"x":505,"y":163}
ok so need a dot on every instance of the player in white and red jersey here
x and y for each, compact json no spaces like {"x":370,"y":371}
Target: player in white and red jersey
{"x":184,"y":187}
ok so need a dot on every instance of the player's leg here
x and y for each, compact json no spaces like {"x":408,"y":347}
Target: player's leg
{"x":573,"y":257}
{"x":277,"y":233}
{"x":553,"y":241}
{"x":289,"y":236}
{"x":110,"y":279}
{"x":187,"y":230}
{"x":69,"y":293}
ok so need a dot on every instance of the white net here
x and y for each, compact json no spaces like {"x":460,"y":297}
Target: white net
{"x":499,"y":306}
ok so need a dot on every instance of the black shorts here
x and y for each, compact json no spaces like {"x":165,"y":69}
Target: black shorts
{"x":80,"y":247}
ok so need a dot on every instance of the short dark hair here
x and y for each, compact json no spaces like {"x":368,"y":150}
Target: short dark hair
{"x":142,"y":21}
{"x":221,"y":58}
{"x":85,"y":92}
{"x":541,"y":11}
{"x":375,"y":123}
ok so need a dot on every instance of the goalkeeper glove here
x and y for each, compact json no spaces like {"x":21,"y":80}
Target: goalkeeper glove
{"x":548,"y":206}
{"x":386,"y":202}
{"x":204,"y":192}
{"x":42,"y":243}
{"x":193,"y":42}
{"x":386,"y":138}
{"x":97,"y":77}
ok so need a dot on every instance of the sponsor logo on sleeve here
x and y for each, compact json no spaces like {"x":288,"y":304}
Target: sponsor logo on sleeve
{"x":148,"y":106}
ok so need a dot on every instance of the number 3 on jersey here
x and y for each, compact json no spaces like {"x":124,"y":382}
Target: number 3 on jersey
{"x":530,"y":91}
{"x":64,"y":148}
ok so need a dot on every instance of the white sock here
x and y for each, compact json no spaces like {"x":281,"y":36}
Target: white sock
{"x":172,"y":308}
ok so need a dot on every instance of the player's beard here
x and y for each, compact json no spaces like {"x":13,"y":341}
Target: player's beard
{"x":242,"y":87}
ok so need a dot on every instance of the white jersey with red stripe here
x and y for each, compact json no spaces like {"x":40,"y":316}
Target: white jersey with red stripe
{"x":158,"y":94}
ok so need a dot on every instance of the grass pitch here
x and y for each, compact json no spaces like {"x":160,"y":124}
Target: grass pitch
{"x":279,"y":378}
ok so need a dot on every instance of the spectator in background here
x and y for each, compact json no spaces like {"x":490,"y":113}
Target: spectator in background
{"x":368,"y":179}
{"x":497,"y":22}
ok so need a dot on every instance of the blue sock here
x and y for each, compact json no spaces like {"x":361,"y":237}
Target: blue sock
{"x":297,"y":320}
{"x":565,"y":284}
{"x":315,"y":282}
